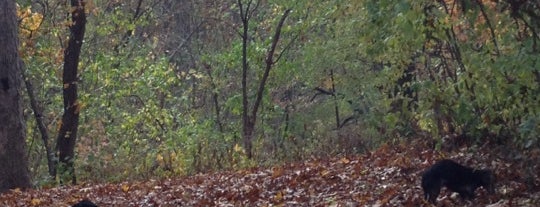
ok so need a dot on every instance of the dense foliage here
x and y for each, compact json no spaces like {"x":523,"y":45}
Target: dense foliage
{"x":161,"y":94}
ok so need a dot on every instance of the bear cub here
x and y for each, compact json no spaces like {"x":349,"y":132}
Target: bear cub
{"x":456,"y":178}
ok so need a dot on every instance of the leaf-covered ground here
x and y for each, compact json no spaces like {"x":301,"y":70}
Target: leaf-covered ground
{"x":389,"y":176}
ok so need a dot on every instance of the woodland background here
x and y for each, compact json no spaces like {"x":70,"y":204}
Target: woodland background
{"x":180,"y":87}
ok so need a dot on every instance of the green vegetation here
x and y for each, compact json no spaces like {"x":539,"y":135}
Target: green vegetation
{"x":161,"y":94}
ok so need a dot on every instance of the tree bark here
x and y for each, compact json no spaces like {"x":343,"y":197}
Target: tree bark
{"x":67,"y":136}
{"x":247,"y":127}
{"x":249,"y":120}
{"x":14,"y":171}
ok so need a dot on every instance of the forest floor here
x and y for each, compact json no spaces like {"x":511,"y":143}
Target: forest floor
{"x":387,"y":176}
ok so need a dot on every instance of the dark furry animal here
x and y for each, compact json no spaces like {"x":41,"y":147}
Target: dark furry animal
{"x":457,"y":178}
{"x":85,"y":203}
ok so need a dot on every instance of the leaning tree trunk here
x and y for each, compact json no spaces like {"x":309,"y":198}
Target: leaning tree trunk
{"x":13,"y":164}
{"x":67,"y":135}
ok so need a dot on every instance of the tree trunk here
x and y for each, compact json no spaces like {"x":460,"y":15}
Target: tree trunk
{"x":67,"y":135}
{"x":13,"y":164}
{"x":247,"y":129}
{"x":246,"y":10}
{"x":38,"y":114}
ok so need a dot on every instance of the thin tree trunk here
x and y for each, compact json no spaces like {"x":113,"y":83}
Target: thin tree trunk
{"x":67,"y":135}
{"x":125,"y":39}
{"x":14,"y":171}
{"x":249,"y":120}
{"x":215,"y":98}
{"x":38,"y":114}
{"x":247,"y":126}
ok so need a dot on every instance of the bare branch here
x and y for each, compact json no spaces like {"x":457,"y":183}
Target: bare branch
{"x":488,"y":22}
{"x":269,"y":63}
{"x":275,"y":40}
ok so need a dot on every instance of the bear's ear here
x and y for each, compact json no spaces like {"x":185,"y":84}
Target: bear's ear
{"x":85,"y":203}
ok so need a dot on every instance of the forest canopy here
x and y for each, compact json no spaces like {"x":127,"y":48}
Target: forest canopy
{"x":176,"y":87}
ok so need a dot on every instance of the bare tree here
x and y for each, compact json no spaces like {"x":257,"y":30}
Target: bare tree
{"x":13,"y":160}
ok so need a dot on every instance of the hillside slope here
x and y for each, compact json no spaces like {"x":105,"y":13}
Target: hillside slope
{"x":388,"y":176}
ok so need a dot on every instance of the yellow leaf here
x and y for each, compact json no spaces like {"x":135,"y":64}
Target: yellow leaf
{"x":79,"y":107}
{"x":34,"y":21}
{"x":345,"y":160}
{"x":325,"y":173}
{"x":238,"y":148}
{"x":276,"y":172}
{"x":159,"y":159}
{"x":125,"y":188}
{"x":327,"y":83}
{"x":173,"y":156}
{"x":279,"y":196}
{"x":35,"y":202}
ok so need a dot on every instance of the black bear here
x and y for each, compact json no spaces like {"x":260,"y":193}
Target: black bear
{"x":85,"y":203}
{"x":457,"y":178}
